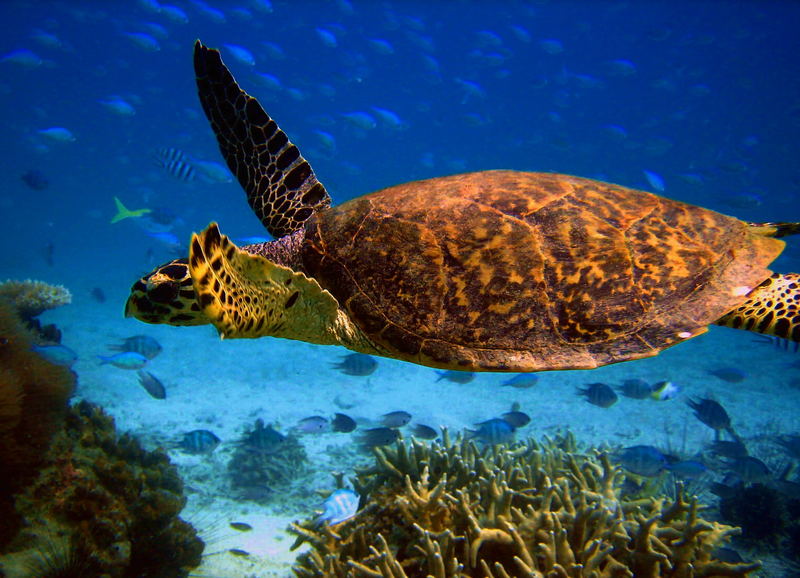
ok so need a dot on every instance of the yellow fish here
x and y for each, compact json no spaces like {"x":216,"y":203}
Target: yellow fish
{"x":124,"y":213}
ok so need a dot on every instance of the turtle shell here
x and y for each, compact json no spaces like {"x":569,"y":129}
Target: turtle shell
{"x":513,"y":271}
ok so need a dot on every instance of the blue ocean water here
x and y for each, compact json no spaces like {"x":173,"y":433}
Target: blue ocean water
{"x":698,"y":101}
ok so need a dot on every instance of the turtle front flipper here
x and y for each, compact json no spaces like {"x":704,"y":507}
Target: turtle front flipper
{"x":281,"y":187}
{"x":772,"y":308}
{"x":247,"y":295}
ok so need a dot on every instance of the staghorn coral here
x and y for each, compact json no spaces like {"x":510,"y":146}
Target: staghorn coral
{"x":33,"y":402}
{"x":108,"y":500}
{"x":453,"y":510}
{"x":32,"y":298}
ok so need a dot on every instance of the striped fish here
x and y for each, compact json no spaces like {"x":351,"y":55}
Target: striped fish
{"x":176,"y":163}
{"x":341,"y":505}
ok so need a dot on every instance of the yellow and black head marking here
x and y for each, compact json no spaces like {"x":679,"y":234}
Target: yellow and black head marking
{"x":166,"y":295}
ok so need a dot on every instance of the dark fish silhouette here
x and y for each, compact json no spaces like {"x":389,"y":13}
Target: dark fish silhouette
{"x":342,"y":423}
{"x":35,"y":180}
{"x":460,"y":377}
{"x":263,"y":439}
{"x":493,"y":431}
{"x":522,"y":381}
{"x":141,"y":344}
{"x":713,"y":415}
{"x":98,"y":295}
{"x":635,"y":388}
{"x":199,"y":441}
{"x":378,"y":436}
{"x":599,"y":394}
{"x":423,"y":431}
{"x":151,"y":384}
{"x":729,"y":374}
{"x":49,"y":254}
{"x":395,"y":419}
{"x":359,"y":364}
{"x":517,"y":418}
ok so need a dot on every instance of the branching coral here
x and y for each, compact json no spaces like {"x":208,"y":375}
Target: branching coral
{"x":452,"y":510}
{"x":32,"y":298}
{"x":109,"y":497}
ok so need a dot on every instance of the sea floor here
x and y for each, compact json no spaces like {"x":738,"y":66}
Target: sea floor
{"x":224,"y":386}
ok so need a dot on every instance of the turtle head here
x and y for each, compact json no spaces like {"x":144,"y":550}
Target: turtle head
{"x":166,"y":295}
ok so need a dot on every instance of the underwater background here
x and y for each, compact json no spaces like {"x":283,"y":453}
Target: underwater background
{"x":698,"y":101}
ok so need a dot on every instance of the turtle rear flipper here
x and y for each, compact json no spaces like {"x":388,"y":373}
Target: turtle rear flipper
{"x":281,"y":187}
{"x":772,"y":308}
{"x":247,"y":295}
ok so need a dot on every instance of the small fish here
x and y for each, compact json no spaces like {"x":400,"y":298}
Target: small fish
{"x":124,"y":360}
{"x":57,"y":134}
{"x":424,"y":432}
{"x":23,"y":57}
{"x":35,"y":180}
{"x":551,"y":46}
{"x":241,"y":54}
{"x":641,"y":460}
{"x":522,"y":381}
{"x":749,"y":469}
{"x":655,"y":181}
{"x":241,"y":526}
{"x":152,"y":385}
{"x":199,"y":441}
{"x":57,"y":354}
{"x":664,"y":391}
{"x":729,"y":374}
{"x":238,"y":552}
{"x":359,"y":119}
{"x":395,"y":419}
{"x":173,"y":13}
{"x":143,"y":344}
{"x":49,"y":253}
{"x":212,"y":172}
{"x":728,"y":449}
{"x":517,"y":418}
{"x":688,"y":469}
{"x":359,"y":364}
{"x":176,"y":164}
{"x":342,"y":423}
{"x":118,"y":106}
{"x":263,"y":440}
{"x":312,"y":424}
{"x":98,"y":295}
{"x":710,"y":413}
{"x":635,"y":388}
{"x":327,"y":37}
{"x":493,"y":431}
{"x":453,"y":376}
{"x":125,"y":213}
{"x":378,"y":436}
{"x":341,"y":505}
{"x":599,"y":394}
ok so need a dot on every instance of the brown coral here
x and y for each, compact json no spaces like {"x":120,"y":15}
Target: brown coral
{"x":33,"y":401}
{"x":106,"y":496}
{"x":452,"y":510}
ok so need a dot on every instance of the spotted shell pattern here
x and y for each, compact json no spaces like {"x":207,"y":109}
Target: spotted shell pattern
{"x":514,"y":271}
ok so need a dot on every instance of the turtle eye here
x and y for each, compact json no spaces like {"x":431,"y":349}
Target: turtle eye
{"x":163,"y":292}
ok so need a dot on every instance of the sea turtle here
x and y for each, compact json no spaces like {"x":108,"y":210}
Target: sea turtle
{"x":487,"y":271}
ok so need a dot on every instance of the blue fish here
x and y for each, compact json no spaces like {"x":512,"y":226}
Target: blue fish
{"x":58,"y":354}
{"x":493,"y":431}
{"x":124,"y":360}
{"x":341,"y":505}
{"x":199,"y":441}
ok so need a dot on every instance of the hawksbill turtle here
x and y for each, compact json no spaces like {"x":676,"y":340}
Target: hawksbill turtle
{"x":488,"y":271}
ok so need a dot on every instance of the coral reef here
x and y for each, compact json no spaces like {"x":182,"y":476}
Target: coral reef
{"x":769,"y":515}
{"x":32,"y":298}
{"x":266,"y":461}
{"x":112,"y":506}
{"x":451,"y":509}
{"x":33,"y":402}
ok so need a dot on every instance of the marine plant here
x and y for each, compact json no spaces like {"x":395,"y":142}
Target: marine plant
{"x":450,"y":509}
{"x":266,"y":462}
{"x":33,"y":402}
{"x":113,"y":504}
